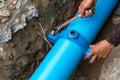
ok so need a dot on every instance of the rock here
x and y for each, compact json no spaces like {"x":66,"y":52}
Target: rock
{"x":81,"y":78}
{"x":116,"y":15}
{"x":4,"y":20}
{"x":10,"y":16}
{"x":4,"y":13}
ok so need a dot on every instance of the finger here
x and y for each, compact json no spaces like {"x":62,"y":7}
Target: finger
{"x":89,"y":55}
{"x":92,"y":46}
{"x":87,"y":13}
{"x":90,"y":12}
{"x":99,"y":57}
{"x":81,"y":12}
{"x":104,"y":57}
{"x":93,"y":59}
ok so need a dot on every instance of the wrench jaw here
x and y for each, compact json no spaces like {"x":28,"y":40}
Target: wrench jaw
{"x":53,"y":32}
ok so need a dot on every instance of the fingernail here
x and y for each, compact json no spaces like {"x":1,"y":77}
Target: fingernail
{"x":80,"y":15}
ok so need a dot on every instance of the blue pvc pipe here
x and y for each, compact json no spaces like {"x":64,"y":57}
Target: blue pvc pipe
{"x":72,"y":44}
{"x":90,"y":27}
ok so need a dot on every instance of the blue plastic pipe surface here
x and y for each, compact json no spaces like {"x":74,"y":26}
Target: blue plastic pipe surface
{"x":72,"y":44}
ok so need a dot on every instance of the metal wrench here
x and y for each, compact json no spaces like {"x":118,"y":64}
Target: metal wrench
{"x":58,"y":28}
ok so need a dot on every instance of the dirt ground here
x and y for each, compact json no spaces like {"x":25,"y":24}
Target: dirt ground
{"x":20,"y":56}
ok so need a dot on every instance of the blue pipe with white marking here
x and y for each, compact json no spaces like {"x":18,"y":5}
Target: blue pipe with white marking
{"x":72,"y":44}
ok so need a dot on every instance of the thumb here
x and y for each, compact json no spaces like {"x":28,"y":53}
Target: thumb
{"x":92,"y":46}
{"x":81,"y":12}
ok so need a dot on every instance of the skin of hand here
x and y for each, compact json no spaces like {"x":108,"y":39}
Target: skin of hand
{"x":86,"y":8}
{"x":99,"y":50}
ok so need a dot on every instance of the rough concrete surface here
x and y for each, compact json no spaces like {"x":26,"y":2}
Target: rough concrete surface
{"x":111,"y":67}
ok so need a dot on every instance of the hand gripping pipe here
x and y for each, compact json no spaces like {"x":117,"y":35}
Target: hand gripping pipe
{"x":72,"y":44}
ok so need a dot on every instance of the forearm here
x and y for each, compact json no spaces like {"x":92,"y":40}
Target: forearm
{"x":114,"y":37}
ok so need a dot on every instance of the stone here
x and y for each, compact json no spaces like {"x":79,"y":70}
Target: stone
{"x":10,"y":16}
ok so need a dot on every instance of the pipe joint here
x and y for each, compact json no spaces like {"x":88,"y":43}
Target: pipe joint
{"x":71,"y":35}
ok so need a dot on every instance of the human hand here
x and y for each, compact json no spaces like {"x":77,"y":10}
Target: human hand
{"x":86,"y":8}
{"x":99,"y":50}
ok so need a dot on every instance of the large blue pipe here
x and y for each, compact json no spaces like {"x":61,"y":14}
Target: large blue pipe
{"x":72,"y":44}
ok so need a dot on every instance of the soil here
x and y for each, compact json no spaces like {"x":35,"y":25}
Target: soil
{"x":24,"y":52}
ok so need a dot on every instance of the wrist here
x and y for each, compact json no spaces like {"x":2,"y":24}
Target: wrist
{"x":109,"y":44}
